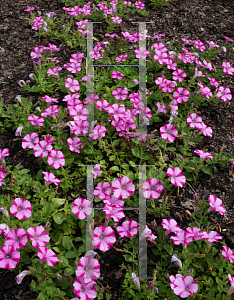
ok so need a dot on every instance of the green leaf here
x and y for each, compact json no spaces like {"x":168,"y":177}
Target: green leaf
{"x":58,"y":202}
{"x":128,"y":258}
{"x":56,"y":249}
{"x":171,"y":148}
{"x":71,"y":254}
{"x":59,"y":217}
{"x":48,"y":208}
{"x":114,"y":168}
{"x":136,"y":141}
{"x":169,"y":249}
{"x":207,"y":170}
{"x":136,"y":152}
{"x":115,"y":142}
{"x":112,"y":157}
{"x":67,"y":242}
{"x":188,"y":176}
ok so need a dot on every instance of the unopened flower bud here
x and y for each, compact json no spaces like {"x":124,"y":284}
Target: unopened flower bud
{"x":195,"y":196}
{"x":38,"y":108}
{"x":68,"y":278}
{"x":136,"y":281}
{"x":135,"y":81}
{"x":44,"y":278}
{"x":18,"y":131}
{"x":47,"y":225}
{"x":91,"y":253}
{"x":2,"y":209}
{"x":60,"y":277}
{"x":176,"y":261}
{"x":21,"y":276}
{"x":18,"y":99}
{"x":21,"y":82}
{"x":151,"y":285}
{"x":189,"y":272}
{"x":224,"y":49}
{"x":153,"y":223}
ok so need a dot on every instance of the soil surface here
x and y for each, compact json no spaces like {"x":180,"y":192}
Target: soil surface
{"x":206,"y":20}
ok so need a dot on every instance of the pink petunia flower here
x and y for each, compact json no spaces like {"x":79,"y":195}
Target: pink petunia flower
{"x":84,"y":290}
{"x":140,"y":5}
{"x":47,"y":255}
{"x":102,"y":190}
{"x":123,"y":187}
{"x":182,"y":237}
{"x":203,"y":154}
{"x":195,"y":233}
{"x":231,"y":279}
{"x":112,"y":200}
{"x":168,"y":132}
{"x":42,"y":149}
{"x":170,"y":225}
{"x":161,"y":108}
{"x":179,"y":75}
{"x":56,"y":159}
{"x":72,"y":85}
{"x":21,"y":209}
{"x":176,"y":177}
{"x":114,"y":211}
{"x":3,"y":153}
{"x":49,"y":99}
{"x":117,"y":75}
{"x":216,"y":204}
{"x":128,"y":228}
{"x":141,"y":53}
{"x":228,"y":253}
{"x":98,"y":132}
{"x":152,"y":189}
{"x":75,"y":144}
{"x":9,"y":257}
{"x":194,"y":121}
{"x":96,"y":171}
{"x":224,"y":93}
{"x":88,"y":268}
{"x":103,"y":238}
{"x":181,"y":95}
{"x":16,"y":238}
{"x":184,"y":286}
{"x":30,"y":140}
{"x":82,"y":208}
{"x":211,"y":237}
{"x":4,"y":229}
{"x":38,"y":236}
{"x":147,"y":233}
{"x":51,"y":111}
{"x":49,"y":177}
{"x":227,"y":68}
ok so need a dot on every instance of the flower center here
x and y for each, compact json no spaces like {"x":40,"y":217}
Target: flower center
{"x":152,"y":188}
{"x":80,"y":207}
{"x":124,"y":187}
{"x":86,"y":268}
{"x":101,"y":237}
{"x":8,"y":256}
{"x":20,"y":208}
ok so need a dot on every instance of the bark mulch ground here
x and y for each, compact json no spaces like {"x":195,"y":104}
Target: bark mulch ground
{"x":192,"y":19}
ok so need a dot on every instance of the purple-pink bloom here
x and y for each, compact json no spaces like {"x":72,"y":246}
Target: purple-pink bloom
{"x":47,"y":255}
{"x":38,"y":236}
{"x":88,"y":268}
{"x":42,"y":149}
{"x":84,"y":290}
{"x":224,"y":93}
{"x":16,"y":238}
{"x":203,"y":154}
{"x":30,"y":140}
{"x":75,"y":144}
{"x":123,"y":187}
{"x":102,"y":190}
{"x":216,"y":204}
{"x":182,"y":237}
{"x":228,"y":253}
{"x":181,"y":95}
{"x":170,"y":225}
{"x":72,"y":85}
{"x":49,"y":177}
{"x":183,"y":286}
{"x":147,"y":233}
{"x":56,"y":159}
{"x":128,"y":228}
{"x":194,"y":121}
{"x":21,"y":209}
{"x":82,"y":208}
{"x":9,"y":257}
{"x":211,"y":237}
{"x":96,"y":171}
{"x":3,"y":153}
{"x":168,"y":132}
{"x":103,"y":238}
{"x":152,"y":188}
{"x":176,"y":177}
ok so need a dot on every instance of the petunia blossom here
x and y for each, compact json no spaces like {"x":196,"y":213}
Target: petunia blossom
{"x":103,"y":238}
{"x":21,"y":209}
{"x":82,"y":208}
{"x":216,"y":204}
{"x":176,"y":177}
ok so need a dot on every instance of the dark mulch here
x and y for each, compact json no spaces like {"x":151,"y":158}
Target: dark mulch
{"x":191,"y":19}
